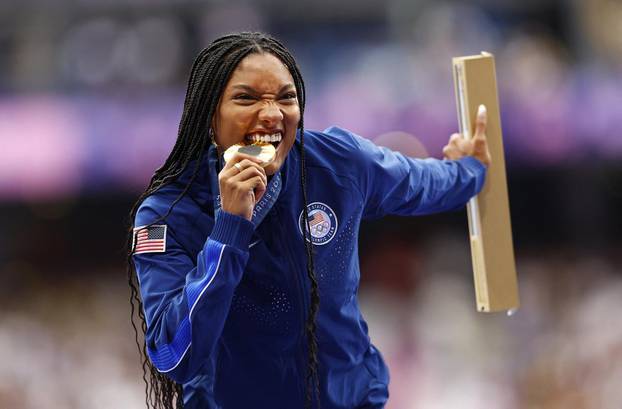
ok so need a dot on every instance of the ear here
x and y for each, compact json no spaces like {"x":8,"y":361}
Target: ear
{"x":213,"y":128}
{"x":215,"y":118}
{"x":213,"y":122}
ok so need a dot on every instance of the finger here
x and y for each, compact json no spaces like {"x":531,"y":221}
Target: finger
{"x":255,"y":184}
{"x":480,"y":122}
{"x":455,"y":137}
{"x":479,"y":145}
{"x":260,"y":190}
{"x":464,"y":146}
{"x":249,"y":173}
{"x":238,"y":167}
{"x":239,"y":157}
{"x":450,"y":152}
{"x":481,"y":151}
{"x":244,"y":164}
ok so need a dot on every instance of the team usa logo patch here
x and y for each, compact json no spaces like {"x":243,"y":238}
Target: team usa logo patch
{"x":149,"y":239}
{"x":322,"y":223}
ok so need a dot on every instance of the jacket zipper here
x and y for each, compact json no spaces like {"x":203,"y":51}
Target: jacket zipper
{"x":302,"y":297}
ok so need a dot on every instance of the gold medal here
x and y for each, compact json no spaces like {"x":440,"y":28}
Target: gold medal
{"x":262,"y":150}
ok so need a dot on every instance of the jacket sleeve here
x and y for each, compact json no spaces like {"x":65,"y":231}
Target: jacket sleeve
{"x":395,"y":184}
{"x":186,"y":300}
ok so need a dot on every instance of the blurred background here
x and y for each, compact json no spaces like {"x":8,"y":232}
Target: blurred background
{"x":91,"y":94}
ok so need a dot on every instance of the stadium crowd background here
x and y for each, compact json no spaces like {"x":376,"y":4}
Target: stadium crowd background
{"x":90,"y":98}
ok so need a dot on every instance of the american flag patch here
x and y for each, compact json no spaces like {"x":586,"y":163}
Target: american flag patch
{"x":151,"y":239}
{"x":316,"y":219}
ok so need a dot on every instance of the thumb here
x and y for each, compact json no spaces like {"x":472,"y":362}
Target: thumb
{"x":480,"y":122}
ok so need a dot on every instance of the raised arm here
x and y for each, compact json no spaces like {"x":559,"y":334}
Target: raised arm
{"x":392,"y":183}
{"x":398,"y":185}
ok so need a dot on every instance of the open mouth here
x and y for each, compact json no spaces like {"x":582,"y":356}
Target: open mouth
{"x":257,"y":138}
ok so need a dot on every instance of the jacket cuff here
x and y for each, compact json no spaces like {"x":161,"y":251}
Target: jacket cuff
{"x":232,"y":230}
{"x":478,"y":168}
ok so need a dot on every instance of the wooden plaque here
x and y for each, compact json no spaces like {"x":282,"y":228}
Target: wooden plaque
{"x":490,"y":230}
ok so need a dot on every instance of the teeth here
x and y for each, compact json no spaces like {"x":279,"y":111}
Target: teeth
{"x":276,"y":137}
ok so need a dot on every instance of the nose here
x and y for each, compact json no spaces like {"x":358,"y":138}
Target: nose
{"x":270,"y":114}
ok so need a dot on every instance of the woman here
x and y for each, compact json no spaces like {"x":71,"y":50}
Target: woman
{"x":248,"y":274}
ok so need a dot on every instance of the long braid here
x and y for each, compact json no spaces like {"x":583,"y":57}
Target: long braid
{"x":210,"y":72}
{"x":312,"y":379}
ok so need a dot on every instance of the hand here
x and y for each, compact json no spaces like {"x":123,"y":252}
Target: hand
{"x":242,"y":186}
{"x":477,"y":146}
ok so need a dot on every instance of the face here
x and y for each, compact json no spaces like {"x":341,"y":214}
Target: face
{"x":259,"y":101}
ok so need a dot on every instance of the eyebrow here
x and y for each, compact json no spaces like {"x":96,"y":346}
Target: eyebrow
{"x":252,"y":90}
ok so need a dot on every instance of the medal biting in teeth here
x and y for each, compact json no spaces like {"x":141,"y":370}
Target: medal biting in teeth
{"x":259,"y":147}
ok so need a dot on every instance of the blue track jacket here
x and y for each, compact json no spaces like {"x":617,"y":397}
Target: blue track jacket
{"x":226,"y":300}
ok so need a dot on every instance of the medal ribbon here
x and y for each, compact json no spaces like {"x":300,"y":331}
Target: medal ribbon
{"x":262,"y":207}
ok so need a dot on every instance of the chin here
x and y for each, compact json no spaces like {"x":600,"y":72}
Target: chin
{"x":273,"y":167}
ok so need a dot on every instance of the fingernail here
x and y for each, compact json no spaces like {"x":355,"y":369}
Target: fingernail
{"x":481,"y":110}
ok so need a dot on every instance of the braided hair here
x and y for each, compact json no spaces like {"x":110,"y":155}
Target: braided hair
{"x":209,"y":75}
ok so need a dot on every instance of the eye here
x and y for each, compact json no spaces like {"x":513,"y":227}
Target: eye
{"x":244,"y":97}
{"x":289,"y":95}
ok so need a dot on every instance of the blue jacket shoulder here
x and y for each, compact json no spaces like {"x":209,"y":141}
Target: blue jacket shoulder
{"x":188,"y":208}
{"x":156,"y":206}
{"x":334,"y":141}
{"x":338,"y":150}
